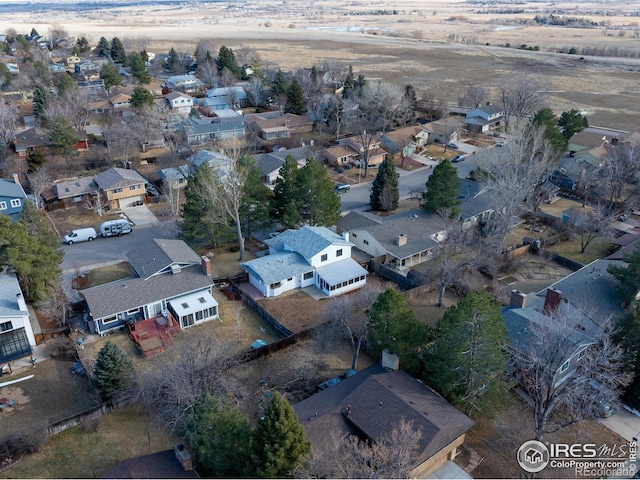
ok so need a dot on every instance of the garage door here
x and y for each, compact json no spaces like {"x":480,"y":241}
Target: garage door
{"x":131,"y":201}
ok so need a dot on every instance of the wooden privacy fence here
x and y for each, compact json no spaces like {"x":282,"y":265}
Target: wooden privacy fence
{"x":77,"y":419}
{"x":260,"y":311}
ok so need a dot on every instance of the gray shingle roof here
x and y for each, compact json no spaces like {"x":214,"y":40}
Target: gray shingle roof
{"x":9,"y":289}
{"x":158,"y":254}
{"x":377,"y":400}
{"x":131,"y":293}
{"x":267,"y":163}
{"x":73,"y":188}
{"x":273,"y":268}
{"x":592,"y":290}
{"x":356,"y":220}
{"x":309,"y":241}
{"x":118,"y":178}
{"x":9,"y":188}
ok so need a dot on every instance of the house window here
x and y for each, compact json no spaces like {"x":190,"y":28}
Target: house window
{"x":366,"y":242}
{"x":564,"y":366}
{"x":117,"y":190}
{"x":582,"y":353}
{"x":212,"y":311}
{"x":308,"y":275}
{"x":110,"y":319}
{"x":339,"y":253}
{"x":187,"y":320}
{"x":323,"y":258}
{"x":289,"y":279}
{"x":133,"y":187}
{"x":6,"y":326}
{"x":3,"y":205}
{"x":354,"y":235}
{"x":15,"y":202}
{"x":133,"y":312}
{"x":199,"y":316}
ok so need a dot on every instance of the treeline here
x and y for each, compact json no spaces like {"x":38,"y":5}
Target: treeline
{"x":566,"y":21}
{"x":608,"y":51}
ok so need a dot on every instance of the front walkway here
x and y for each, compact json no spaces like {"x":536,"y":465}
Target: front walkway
{"x":314,"y":292}
{"x":450,"y":470}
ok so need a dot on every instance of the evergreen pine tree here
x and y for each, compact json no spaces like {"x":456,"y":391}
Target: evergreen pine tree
{"x":255,"y":198}
{"x":393,"y":326}
{"x":279,"y":442}
{"x":319,"y":204}
{"x":65,"y":82}
{"x":227,"y":59}
{"x":173,"y":61}
{"x":627,"y":336}
{"x":141,"y":97}
{"x":279,"y":84}
{"x":220,"y":434}
{"x":546,"y":118}
{"x":572,"y":122}
{"x":113,"y":370}
{"x":384,"y":189}
{"x":467,"y":361}
{"x":296,"y":103}
{"x":139,"y":69}
{"x":62,"y":134}
{"x":628,"y":277}
{"x":284,"y":206}
{"x":110,"y":75}
{"x":442,"y":191}
{"x":349,"y":84}
{"x":40,"y":100}
{"x":104,"y":48}
{"x":82,"y":44}
{"x":118,"y":55}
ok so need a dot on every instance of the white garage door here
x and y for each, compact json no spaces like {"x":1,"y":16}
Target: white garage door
{"x":130,"y":201}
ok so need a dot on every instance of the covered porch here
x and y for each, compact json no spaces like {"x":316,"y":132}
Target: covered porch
{"x":340,"y":277}
{"x":193,"y":308}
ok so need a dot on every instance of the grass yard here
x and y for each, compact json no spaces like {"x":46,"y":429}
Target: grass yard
{"x":225,"y":263}
{"x":599,"y":248}
{"x":66,"y":220}
{"x":76,"y":453}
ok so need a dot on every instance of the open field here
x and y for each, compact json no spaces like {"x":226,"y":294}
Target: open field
{"x":439,"y":47}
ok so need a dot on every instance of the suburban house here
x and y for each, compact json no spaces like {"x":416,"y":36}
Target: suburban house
{"x":16,"y":334}
{"x":121,"y":187}
{"x":177,"y":177}
{"x":270,"y":163}
{"x":57,"y":68}
{"x":484,"y":118}
{"x":272,"y":126}
{"x":445,"y":130}
{"x":355,"y":143}
{"x":587,"y":297}
{"x":198,"y":130}
{"x":170,"y":283}
{"x":404,"y":142}
{"x":71,"y":193}
{"x":120,"y":101}
{"x":406,"y":239}
{"x":305,"y":257}
{"x":340,"y":155}
{"x":179,"y":102}
{"x":12,"y":197}
{"x":33,"y":138}
{"x":184,"y":83}
{"x":371,"y":403}
{"x":224,"y":98}
{"x":573,"y":172}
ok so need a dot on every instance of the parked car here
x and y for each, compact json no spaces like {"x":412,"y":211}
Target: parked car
{"x":603,"y":407}
{"x":151,"y":189}
{"x":453,"y":145}
{"x":80,"y":235}
{"x":457,"y":158}
{"x":500,"y":144}
{"x":342,"y":188}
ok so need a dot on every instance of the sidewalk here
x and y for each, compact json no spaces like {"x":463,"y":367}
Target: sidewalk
{"x":624,"y":423}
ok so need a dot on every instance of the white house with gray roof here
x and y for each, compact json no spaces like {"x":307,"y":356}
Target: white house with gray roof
{"x":170,"y":279}
{"x":301,"y":258}
{"x":16,"y":334}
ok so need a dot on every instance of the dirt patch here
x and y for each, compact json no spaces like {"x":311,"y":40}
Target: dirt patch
{"x":408,"y":164}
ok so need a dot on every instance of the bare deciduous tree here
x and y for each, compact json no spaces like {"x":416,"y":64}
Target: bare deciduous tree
{"x":56,"y":305}
{"x":621,"y":173}
{"x":546,"y":367}
{"x":336,"y":71}
{"x":208,"y":73}
{"x":347,"y":317}
{"x":40,"y":181}
{"x":383,"y":101}
{"x":256,"y":92}
{"x":590,"y":225}
{"x":171,"y":387}
{"x":474,"y":95}
{"x":521,"y":98}
{"x":8,"y":125}
{"x":392,"y":456}
{"x":57,"y":32}
{"x":122,"y":140}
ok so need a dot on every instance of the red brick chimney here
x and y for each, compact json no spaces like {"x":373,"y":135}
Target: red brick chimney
{"x":551,"y":301}
{"x":206,"y":265}
{"x":183,"y":456}
{"x":15,"y":178}
{"x":518,"y":299}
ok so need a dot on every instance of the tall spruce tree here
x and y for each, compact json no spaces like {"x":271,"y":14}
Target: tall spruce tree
{"x":284,"y":206}
{"x":141,"y":97}
{"x":628,"y":277}
{"x":442,"y":190}
{"x":110,"y":75}
{"x":118,"y":55}
{"x":40,"y":100}
{"x":467,"y":360}
{"x":113,"y":371}
{"x":173,"y":61}
{"x":104,"y":48}
{"x":384,"y":189}
{"x":279,"y":442}
{"x":255,"y":199}
{"x":220,"y":433}
{"x":227,"y":59}
{"x":393,"y":326}
{"x":572,"y":122}
{"x":627,"y":336}
{"x":139,"y":68}
{"x":295,"y":102}
{"x":318,"y":202}
{"x":279,"y":84}
{"x":546,"y":118}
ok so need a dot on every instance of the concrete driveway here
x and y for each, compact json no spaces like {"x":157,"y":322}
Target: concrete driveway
{"x":140,"y":215}
{"x":624,"y":423}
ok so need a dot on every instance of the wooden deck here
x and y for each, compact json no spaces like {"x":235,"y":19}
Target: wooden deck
{"x":154,"y":334}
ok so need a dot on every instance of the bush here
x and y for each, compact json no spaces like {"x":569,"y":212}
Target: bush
{"x":348,"y":166}
{"x":340,"y":170}
{"x":234,"y":248}
{"x":62,"y":348}
{"x":91,"y":423}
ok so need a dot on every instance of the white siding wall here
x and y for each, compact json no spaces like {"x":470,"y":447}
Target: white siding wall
{"x":19,"y":321}
{"x":359,"y":237}
{"x":330,"y":252}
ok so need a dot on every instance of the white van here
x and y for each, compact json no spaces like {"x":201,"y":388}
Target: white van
{"x":80,"y":235}
{"x":115,"y":227}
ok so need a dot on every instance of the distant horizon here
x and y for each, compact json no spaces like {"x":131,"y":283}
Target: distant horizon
{"x":17,"y":6}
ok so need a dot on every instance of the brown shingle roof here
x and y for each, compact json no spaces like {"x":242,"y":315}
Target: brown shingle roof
{"x":156,"y":465}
